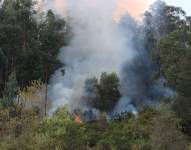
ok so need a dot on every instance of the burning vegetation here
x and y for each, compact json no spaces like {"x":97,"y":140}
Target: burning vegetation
{"x":109,"y":81}
{"x":87,"y":116}
{"x":77,"y":118}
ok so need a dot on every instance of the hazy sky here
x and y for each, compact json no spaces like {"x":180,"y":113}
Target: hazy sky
{"x":134,"y":7}
{"x":137,"y":7}
{"x":185,"y":4}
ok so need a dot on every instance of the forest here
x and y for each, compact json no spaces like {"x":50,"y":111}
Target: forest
{"x":30,"y":42}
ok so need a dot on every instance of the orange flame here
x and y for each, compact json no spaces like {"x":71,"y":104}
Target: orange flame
{"x":77,"y":119}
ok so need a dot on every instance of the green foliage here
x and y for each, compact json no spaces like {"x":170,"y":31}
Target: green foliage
{"x":32,"y":96}
{"x":13,"y":122}
{"x":162,"y":19}
{"x":10,"y":91}
{"x":28,"y":50}
{"x":174,"y":53}
{"x":58,"y":132}
{"x":108,"y":92}
{"x":166,"y":133}
{"x":30,"y":45}
{"x":145,"y":131}
{"x":102,"y":94}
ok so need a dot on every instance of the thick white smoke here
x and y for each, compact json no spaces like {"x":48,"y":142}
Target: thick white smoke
{"x":98,"y":45}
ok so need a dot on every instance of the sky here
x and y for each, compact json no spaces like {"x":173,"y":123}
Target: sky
{"x":134,"y":7}
{"x":185,"y":4}
{"x":137,"y":7}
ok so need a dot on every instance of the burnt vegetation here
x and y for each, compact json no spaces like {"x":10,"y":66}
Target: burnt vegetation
{"x":29,"y":44}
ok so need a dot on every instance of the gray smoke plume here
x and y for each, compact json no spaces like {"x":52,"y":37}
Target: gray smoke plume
{"x":137,"y":86}
{"x":100,"y":44}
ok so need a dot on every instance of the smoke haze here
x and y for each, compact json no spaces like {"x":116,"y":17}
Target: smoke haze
{"x":100,"y":44}
{"x":134,"y":7}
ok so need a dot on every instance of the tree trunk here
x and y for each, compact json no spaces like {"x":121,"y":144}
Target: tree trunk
{"x":46,"y":90}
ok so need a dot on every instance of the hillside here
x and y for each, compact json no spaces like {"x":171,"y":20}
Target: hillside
{"x":84,"y":81}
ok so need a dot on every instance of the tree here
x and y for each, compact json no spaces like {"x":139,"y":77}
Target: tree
{"x":159,"y":21}
{"x":108,"y":89}
{"x":17,"y":31}
{"x":166,"y":133}
{"x":10,"y":91}
{"x":52,"y":38}
{"x":162,"y":19}
{"x":3,"y":68}
{"x":102,"y":94}
{"x":174,"y":53}
{"x":90,"y":92}
{"x":23,"y":38}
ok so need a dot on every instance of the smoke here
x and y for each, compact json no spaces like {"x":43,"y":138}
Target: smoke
{"x":1,"y":3}
{"x":124,"y":105}
{"x":100,"y":44}
{"x":137,"y":85}
{"x":134,"y":7}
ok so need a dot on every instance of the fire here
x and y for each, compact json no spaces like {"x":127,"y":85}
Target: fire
{"x":77,"y":118}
